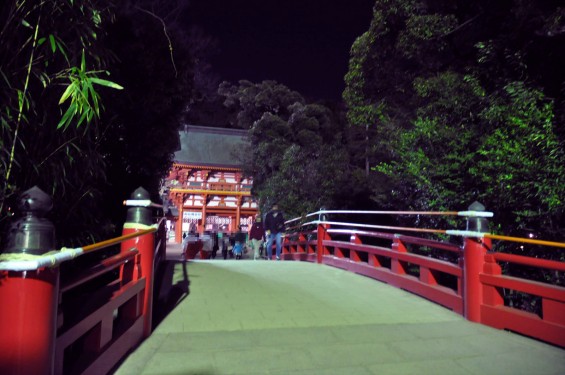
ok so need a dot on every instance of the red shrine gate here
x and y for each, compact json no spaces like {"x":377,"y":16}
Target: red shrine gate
{"x":206,"y":184}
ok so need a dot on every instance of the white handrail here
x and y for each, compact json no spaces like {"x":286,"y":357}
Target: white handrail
{"x":446,"y":213}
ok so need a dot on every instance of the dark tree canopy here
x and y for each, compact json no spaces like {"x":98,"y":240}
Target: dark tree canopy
{"x":143,"y":123}
{"x":466,"y":102}
{"x":298,"y":155}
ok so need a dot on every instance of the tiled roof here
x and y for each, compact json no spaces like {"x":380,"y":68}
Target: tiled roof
{"x":211,"y":146}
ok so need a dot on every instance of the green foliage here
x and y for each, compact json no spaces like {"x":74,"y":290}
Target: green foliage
{"x":43,"y":45}
{"x":424,"y":33}
{"x":305,"y":182}
{"x":84,"y":100}
{"x":521,"y":162}
{"x":466,"y":99}
{"x":423,"y":182}
{"x":355,"y":79}
{"x":251,"y":100}
{"x":296,"y":156}
{"x":55,"y":58}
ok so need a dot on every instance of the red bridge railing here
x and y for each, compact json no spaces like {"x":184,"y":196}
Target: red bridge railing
{"x":465,"y":278}
{"x":80,"y":317}
{"x":549,"y":326}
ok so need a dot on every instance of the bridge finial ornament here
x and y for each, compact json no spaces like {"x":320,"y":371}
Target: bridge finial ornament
{"x":477,"y":224}
{"x":32,"y":234}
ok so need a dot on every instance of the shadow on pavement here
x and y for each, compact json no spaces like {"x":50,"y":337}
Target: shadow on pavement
{"x":166,"y":295}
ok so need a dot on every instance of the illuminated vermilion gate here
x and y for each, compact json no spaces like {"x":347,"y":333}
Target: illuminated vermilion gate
{"x":211,"y":198}
{"x":207,"y":180}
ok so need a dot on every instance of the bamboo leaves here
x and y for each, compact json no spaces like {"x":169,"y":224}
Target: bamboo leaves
{"x":84,"y":99}
{"x":52,"y":42}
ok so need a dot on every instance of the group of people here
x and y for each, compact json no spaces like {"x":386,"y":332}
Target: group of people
{"x":272,"y":230}
{"x":260,"y":233}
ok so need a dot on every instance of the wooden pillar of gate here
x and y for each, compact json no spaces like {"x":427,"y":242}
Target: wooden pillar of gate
{"x":203,"y":220}
{"x":238,"y":213}
{"x":178,"y":226}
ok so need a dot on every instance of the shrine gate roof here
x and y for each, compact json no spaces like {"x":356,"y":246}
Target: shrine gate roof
{"x":211,"y":146}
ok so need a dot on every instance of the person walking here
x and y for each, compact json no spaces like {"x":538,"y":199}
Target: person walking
{"x":224,"y":242}
{"x":256,"y":235}
{"x":274,"y":227}
{"x":239,"y":244}
{"x":215,"y":245}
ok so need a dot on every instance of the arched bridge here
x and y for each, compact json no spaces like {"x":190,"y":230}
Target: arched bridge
{"x":259,"y":317}
{"x":347,"y":297}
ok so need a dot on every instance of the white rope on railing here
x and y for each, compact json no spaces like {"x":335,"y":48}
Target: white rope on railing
{"x":141,"y":203}
{"x":475,"y":213}
{"x":465,"y":233}
{"x":32,"y":262}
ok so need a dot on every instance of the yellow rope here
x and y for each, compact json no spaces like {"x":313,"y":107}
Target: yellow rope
{"x":117,"y":240}
{"x":525,"y":240}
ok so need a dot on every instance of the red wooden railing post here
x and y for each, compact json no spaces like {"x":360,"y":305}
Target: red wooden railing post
{"x":396,"y":266}
{"x":138,"y":219}
{"x":353,"y":254}
{"x":28,"y":299}
{"x":321,"y":236}
{"x":299,"y":247}
{"x":372,"y":259}
{"x":492,"y":295}
{"x":28,"y":321}
{"x":474,"y":258}
{"x":286,"y":247}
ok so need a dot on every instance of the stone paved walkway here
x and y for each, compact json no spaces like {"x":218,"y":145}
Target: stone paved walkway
{"x":267,"y":317}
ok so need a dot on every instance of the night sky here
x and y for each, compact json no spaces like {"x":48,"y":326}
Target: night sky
{"x":303,"y":44}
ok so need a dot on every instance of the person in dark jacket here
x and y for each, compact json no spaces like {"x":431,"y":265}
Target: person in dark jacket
{"x":274,"y":228}
{"x":256,"y":235}
{"x":225,"y":243}
{"x":215,"y":245}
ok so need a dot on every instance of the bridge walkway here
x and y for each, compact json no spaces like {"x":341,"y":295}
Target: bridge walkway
{"x":265,"y":317}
